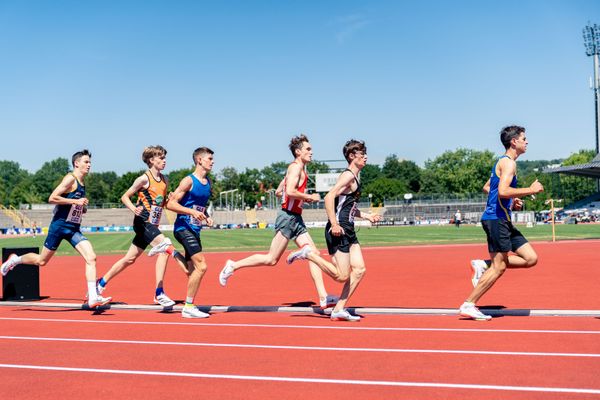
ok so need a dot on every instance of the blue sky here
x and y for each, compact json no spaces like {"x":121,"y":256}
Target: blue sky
{"x":242,"y":77}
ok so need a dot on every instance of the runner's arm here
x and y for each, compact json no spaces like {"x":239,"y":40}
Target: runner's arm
{"x":138,"y":184}
{"x":65,"y":186}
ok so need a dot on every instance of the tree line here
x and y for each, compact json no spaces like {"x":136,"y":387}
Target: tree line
{"x":457,"y":172}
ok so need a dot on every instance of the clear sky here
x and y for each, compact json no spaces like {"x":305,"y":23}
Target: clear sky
{"x":411,"y":78}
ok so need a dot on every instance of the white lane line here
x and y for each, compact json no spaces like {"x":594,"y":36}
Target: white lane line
{"x":304,"y":348}
{"x":309,"y":380}
{"x":286,"y":326}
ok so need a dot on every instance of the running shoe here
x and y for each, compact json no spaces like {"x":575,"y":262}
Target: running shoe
{"x":98,"y":301}
{"x":193,"y":312}
{"x":344,"y":315}
{"x":329,"y":301}
{"x":164,"y":300}
{"x":479,"y":267}
{"x":299,"y":254}
{"x":469,"y":310}
{"x":226,"y":272}
{"x":9,"y":264}
{"x":160,"y":248}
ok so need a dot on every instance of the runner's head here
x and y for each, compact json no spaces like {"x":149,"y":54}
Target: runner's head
{"x":82,"y":160}
{"x":155,"y":156}
{"x":300,"y":147}
{"x":203,"y":156}
{"x":510,"y":133}
{"x":355,"y":150}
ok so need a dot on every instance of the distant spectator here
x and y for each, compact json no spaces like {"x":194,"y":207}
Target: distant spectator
{"x":457,"y":218}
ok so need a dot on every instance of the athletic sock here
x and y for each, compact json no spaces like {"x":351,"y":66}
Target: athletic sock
{"x":159,"y":291}
{"x":92,"y":289}
{"x":189,"y":300}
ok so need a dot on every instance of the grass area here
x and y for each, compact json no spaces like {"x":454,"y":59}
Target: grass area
{"x":259,"y":239}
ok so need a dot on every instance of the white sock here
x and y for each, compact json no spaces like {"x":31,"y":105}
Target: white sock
{"x":92,"y":289}
{"x":18,"y":259}
{"x":189,"y":300}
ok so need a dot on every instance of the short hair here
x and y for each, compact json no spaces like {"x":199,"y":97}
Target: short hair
{"x":352,"y":146}
{"x":77,"y":156}
{"x":296,"y":143}
{"x":508,"y":133}
{"x":153,"y":151}
{"x":199,"y":151}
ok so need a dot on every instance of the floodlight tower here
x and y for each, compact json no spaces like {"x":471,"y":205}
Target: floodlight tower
{"x":591,"y":39}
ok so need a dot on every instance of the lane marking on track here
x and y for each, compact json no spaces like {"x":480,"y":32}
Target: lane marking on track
{"x":435,"y":385}
{"x":315,"y":310}
{"x":304,"y":348}
{"x":287,"y":326}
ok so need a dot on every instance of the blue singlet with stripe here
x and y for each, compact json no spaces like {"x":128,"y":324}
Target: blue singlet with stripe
{"x":197,"y":197}
{"x":69,"y":214}
{"x":497,"y":208}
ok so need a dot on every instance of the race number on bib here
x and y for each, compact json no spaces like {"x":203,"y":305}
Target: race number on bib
{"x":155,"y":215}
{"x":196,"y":221}
{"x":75,"y":214}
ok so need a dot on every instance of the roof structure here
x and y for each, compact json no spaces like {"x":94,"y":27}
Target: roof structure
{"x":590,"y":170}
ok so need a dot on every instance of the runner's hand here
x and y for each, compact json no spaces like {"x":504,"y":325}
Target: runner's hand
{"x":336,"y":230}
{"x":518,"y":204}
{"x":138,"y":210}
{"x":209,"y":221}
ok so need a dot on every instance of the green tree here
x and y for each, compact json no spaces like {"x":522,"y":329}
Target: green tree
{"x":11,"y":175}
{"x":384,"y":188}
{"x":50,"y":175}
{"x":369,"y":173}
{"x":460,"y":171}
{"x":98,"y":187}
{"x":405,"y":170}
{"x":575,"y":188}
{"x":123,"y":184}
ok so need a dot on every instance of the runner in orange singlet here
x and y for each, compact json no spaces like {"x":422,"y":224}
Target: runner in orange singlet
{"x":151,"y":189}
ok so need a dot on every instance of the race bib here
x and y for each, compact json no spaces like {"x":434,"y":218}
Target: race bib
{"x":75,"y":214}
{"x":353,"y":212}
{"x":155,"y":215}
{"x":195,"y":221}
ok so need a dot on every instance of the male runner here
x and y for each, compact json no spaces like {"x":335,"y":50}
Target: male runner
{"x":151,"y":189}
{"x":289,"y":224}
{"x":189,"y":202}
{"x":502,"y":236}
{"x":342,"y":243}
{"x":70,"y":200}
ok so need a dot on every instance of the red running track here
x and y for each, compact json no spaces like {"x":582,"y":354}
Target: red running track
{"x":68,"y":354}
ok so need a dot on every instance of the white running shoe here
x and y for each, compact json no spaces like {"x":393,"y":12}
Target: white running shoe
{"x":479,"y":267}
{"x":193,"y":312}
{"x":226,"y":272}
{"x":160,"y":248}
{"x":9,"y":264}
{"x":98,"y":301}
{"x":470,"y":311}
{"x":164,"y":300}
{"x":329,"y":301}
{"x":344,"y":315}
{"x":299,"y":254}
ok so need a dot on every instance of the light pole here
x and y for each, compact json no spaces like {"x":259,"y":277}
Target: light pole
{"x":370,"y":200}
{"x":591,"y":39}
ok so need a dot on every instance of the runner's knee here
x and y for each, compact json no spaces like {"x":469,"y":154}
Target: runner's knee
{"x":532,"y":260}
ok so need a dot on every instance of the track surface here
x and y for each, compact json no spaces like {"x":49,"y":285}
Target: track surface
{"x":67,"y":353}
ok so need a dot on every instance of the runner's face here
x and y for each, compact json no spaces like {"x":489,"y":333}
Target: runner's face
{"x":360,"y":159}
{"x":521,"y":143}
{"x":84,"y":164}
{"x":159,"y":162}
{"x":206,"y":161}
{"x":306,"y":152}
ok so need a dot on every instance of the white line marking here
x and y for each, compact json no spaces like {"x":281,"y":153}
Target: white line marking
{"x":313,"y":348}
{"x":309,"y":380}
{"x":280,"y":326}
